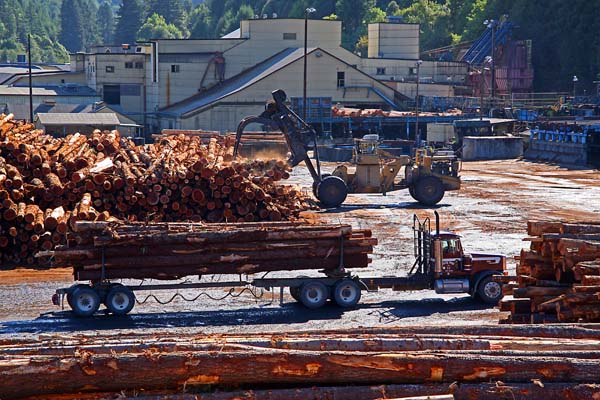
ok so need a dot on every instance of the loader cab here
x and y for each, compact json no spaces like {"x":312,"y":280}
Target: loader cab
{"x":366,"y":150}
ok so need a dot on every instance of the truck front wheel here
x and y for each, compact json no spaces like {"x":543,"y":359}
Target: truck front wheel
{"x":489,"y":292}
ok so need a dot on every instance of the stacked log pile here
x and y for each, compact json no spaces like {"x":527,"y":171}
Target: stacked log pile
{"x":488,"y":364}
{"x":171,"y":250}
{"x":377,"y":112}
{"x":47,"y":184}
{"x":558,"y":278}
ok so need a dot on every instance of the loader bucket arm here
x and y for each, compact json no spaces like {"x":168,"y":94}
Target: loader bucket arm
{"x":296,"y":132}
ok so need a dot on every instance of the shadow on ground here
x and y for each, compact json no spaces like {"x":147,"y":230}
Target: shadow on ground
{"x":288,"y":313}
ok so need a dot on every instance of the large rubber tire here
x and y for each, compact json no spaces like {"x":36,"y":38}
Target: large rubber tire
{"x":314,"y":294}
{"x":332,"y":191}
{"x":346,"y":293}
{"x":411,"y":190}
{"x":315,"y":184}
{"x":120,"y":300}
{"x":295,"y":293}
{"x":70,"y":295}
{"x":429,"y":190}
{"x":85,"y":301}
{"x":488,"y":291}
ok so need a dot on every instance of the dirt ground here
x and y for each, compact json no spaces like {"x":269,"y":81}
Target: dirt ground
{"x":490,"y":212}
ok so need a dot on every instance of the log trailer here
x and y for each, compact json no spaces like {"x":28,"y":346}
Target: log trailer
{"x":427,"y":176}
{"x":440,"y":264}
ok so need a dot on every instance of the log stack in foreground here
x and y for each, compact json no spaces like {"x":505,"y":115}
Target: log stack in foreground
{"x":499,"y":364}
{"x":47,"y":184}
{"x":558,"y":278}
{"x":171,"y":250}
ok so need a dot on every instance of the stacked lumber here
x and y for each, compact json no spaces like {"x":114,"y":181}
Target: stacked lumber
{"x":558,"y":278}
{"x":47,"y":184}
{"x":171,"y":250}
{"x":376,"y":112}
{"x":340,"y":364}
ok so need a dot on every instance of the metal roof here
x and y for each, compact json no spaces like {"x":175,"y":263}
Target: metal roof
{"x":94,"y":119}
{"x":238,"y":82}
{"x":236,"y":34}
{"x":66,"y":90}
{"x":21,"y":111}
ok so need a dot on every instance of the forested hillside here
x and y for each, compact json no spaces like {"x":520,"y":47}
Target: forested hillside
{"x":564,"y":32}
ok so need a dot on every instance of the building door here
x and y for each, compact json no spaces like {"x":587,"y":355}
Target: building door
{"x":112,"y":94}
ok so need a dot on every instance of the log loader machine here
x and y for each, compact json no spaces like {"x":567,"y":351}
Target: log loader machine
{"x":427,"y":176}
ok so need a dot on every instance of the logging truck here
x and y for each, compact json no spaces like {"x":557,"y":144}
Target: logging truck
{"x":440,"y":264}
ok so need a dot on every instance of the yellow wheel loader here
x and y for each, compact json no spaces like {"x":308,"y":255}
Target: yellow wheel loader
{"x":427,"y":177}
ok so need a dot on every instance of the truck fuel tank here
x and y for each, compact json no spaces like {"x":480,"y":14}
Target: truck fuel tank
{"x":443,"y":286}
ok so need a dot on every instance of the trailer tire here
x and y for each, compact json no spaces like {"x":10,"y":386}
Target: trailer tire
{"x":120,"y":300}
{"x":314,"y":294}
{"x":346,"y":293}
{"x":295,"y":293}
{"x":489,"y":291}
{"x":429,"y":190}
{"x":85,"y":301}
{"x":332,"y":191}
{"x":411,"y":190}
{"x":70,"y":295}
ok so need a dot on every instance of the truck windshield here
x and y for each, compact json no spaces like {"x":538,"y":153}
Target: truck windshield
{"x":451,"y":248}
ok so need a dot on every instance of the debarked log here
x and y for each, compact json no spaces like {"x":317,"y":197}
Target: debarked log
{"x":228,"y":367}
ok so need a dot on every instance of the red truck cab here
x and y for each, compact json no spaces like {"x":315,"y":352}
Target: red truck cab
{"x":458,"y":272}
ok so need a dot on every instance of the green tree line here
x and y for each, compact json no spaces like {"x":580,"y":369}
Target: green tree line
{"x":564,"y":32}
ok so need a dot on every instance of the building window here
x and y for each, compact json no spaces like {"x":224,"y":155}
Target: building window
{"x":110,"y":69}
{"x":412,"y":70}
{"x":129,"y":65}
{"x":175,"y":68}
{"x":289,"y":36}
{"x":341,"y":79}
{"x":139,"y":65}
{"x":380,"y":71}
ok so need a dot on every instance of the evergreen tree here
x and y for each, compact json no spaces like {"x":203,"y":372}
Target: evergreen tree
{"x":106,"y":23}
{"x":71,"y":33}
{"x":130,"y":20}
{"x":392,"y":8}
{"x":352,"y":13}
{"x":199,"y":22}
{"x":171,"y":10}
{"x":157,"y":28}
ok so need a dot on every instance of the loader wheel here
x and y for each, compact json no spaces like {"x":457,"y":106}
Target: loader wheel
{"x":315,"y":184}
{"x":489,"y":292}
{"x":332,"y":191}
{"x":429,"y":190}
{"x":411,"y":190}
{"x":85,"y":301}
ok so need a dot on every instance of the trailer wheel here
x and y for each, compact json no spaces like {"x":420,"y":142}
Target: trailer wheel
{"x":314,"y":294}
{"x":429,"y":190}
{"x":489,"y":292}
{"x":70,"y":295}
{"x":295,"y":293}
{"x":346,"y":293}
{"x":332,"y":191}
{"x":85,"y":301}
{"x":120,"y":300}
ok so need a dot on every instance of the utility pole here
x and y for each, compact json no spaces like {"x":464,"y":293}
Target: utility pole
{"x":307,"y":12}
{"x":417,"y":135}
{"x":30,"y":83}
{"x":492,"y":24}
